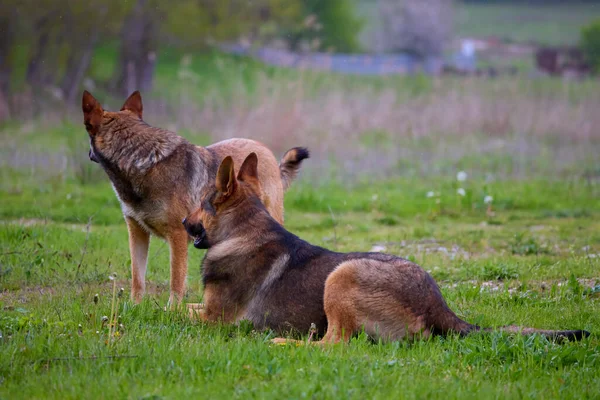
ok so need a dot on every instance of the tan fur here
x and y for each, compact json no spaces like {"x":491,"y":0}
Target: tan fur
{"x":159,"y":179}
{"x":256,"y":270}
{"x":272,"y":194}
{"x":340,"y":299}
{"x":139,"y":241}
{"x":349,"y":309}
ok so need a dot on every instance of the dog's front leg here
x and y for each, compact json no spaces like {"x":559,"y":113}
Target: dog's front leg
{"x":178,"y":242}
{"x":139,"y":241}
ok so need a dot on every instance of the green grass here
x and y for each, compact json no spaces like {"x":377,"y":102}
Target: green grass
{"x":533,"y":263}
{"x":551,"y":24}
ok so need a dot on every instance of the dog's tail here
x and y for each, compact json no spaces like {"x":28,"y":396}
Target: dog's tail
{"x":555,"y":335}
{"x":448,"y":322}
{"x":290,"y":164}
{"x":570,"y":335}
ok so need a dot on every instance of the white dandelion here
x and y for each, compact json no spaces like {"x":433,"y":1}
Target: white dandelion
{"x":461,"y":192}
{"x":461,"y":176}
{"x":430,"y":194}
{"x":377,"y":249}
{"x":488,"y":199}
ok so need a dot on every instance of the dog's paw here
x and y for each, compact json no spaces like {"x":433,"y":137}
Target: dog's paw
{"x":195,"y":311}
{"x":283,"y":341}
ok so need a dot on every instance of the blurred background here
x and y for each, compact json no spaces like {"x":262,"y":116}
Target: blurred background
{"x":375,"y":88}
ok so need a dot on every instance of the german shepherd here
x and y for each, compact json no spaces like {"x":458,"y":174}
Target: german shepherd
{"x":159,"y":176}
{"x":256,"y":270}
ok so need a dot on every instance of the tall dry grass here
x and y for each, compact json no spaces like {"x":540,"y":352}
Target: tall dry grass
{"x":524,"y":126}
{"x":382,"y":128}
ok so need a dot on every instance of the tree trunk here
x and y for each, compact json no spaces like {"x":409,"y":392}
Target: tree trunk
{"x":7,"y":36}
{"x":139,"y":42}
{"x":78,"y":64}
{"x":34,"y":73}
{"x":147,"y":72}
{"x":43,"y":64}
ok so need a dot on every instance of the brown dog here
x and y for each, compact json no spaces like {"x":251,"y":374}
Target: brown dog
{"x":256,"y":270}
{"x":159,"y":176}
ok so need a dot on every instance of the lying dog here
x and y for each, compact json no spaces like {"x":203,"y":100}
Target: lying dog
{"x":256,"y":270}
{"x":159,"y":176}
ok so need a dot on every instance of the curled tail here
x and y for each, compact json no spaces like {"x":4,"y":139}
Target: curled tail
{"x":290,"y":164}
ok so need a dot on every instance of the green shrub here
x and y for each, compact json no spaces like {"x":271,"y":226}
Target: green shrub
{"x":590,"y":43}
{"x":339,"y":25}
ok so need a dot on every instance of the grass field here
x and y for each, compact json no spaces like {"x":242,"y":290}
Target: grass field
{"x":550,"y":24}
{"x":534,"y":263}
{"x":379,"y":146}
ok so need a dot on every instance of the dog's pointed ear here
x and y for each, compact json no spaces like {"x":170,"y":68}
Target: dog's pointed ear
{"x":249,"y":170}
{"x":226,"y":182}
{"x":134,"y":104}
{"x":92,"y":112}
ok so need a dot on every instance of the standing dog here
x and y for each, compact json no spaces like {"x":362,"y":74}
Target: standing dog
{"x":256,"y":270}
{"x":159,"y":176}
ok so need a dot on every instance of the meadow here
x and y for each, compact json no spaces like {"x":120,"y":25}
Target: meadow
{"x":553,"y":23}
{"x":548,"y":23}
{"x":534,"y":262}
{"x":519,"y":244}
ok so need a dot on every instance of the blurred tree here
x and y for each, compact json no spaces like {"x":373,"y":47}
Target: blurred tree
{"x":328,"y":25}
{"x":7,"y":38}
{"x":193,"y":24}
{"x":590,"y":44}
{"x":223,"y":20}
{"x":40,"y":25}
{"x":419,"y":27}
{"x":85,"y":22}
{"x":138,"y":46}
{"x":340,"y":24}
{"x":60,"y":36}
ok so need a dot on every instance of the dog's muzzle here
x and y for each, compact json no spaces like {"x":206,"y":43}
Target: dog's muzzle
{"x":93,"y":156}
{"x":198,"y":232}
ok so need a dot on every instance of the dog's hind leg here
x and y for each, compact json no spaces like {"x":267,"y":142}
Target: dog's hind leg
{"x":339,"y":300}
{"x":139,"y":241}
{"x":178,"y":243}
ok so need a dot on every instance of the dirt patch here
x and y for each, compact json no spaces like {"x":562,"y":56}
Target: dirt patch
{"x":29,"y":222}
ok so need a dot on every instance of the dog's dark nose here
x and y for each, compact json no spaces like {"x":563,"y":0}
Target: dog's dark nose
{"x":92,"y":156}
{"x":183,"y":220}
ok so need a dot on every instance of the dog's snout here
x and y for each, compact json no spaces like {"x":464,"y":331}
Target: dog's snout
{"x":193,"y":228}
{"x":196,"y":230}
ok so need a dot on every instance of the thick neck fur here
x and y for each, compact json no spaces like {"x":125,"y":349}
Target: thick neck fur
{"x":251,"y":220}
{"x":250,"y":243}
{"x":132,"y":147}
